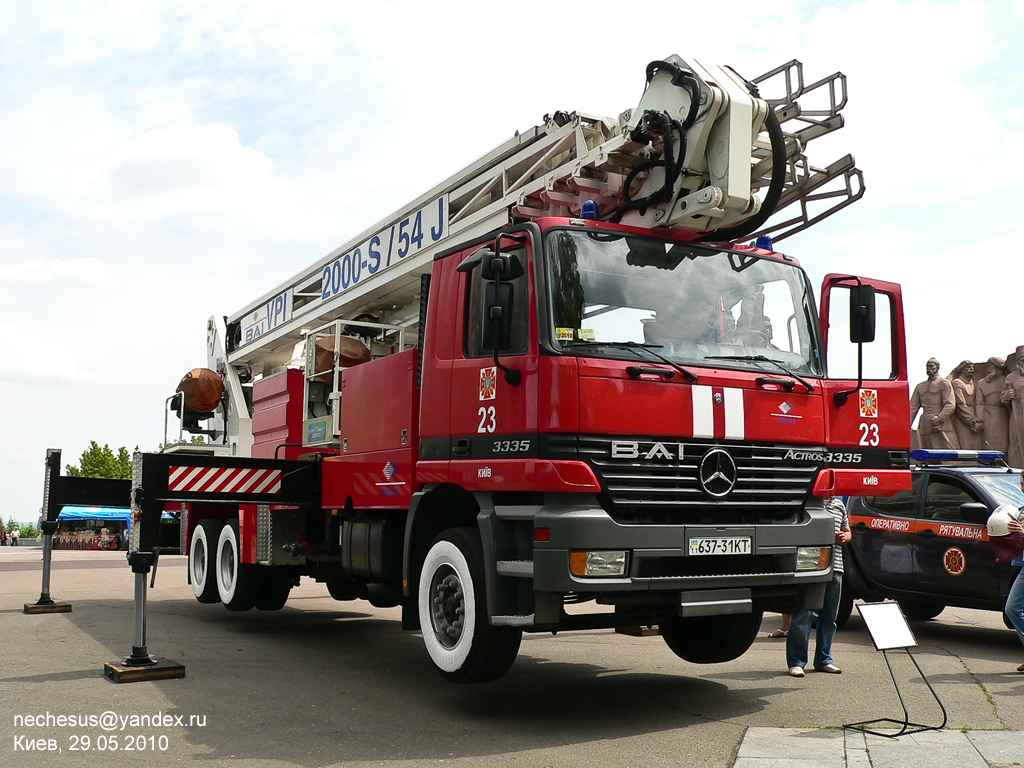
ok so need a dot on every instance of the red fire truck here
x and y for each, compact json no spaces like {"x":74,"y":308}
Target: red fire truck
{"x":558,"y":378}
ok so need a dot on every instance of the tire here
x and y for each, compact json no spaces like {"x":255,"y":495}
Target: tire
{"x":236,"y":581}
{"x":274,"y":588}
{"x":202,"y":553}
{"x":845,"y":605}
{"x":1007,"y":622}
{"x":920,"y":611}
{"x":711,"y":639}
{"x":452,"y":603}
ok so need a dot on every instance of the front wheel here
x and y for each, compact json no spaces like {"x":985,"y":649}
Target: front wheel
{"x":711,"y":639}
{"x":452,"y":604}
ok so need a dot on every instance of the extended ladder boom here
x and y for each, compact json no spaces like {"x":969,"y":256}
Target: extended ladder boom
{"x":701,"y":152}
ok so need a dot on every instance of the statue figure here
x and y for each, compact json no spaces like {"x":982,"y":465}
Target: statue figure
{"x":995,"y":419}
{"x":965,"y":419}
{"x":934,"y":398}
{"x":1013,"y":393}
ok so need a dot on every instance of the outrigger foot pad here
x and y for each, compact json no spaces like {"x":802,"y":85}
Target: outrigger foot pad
{"x":51,"y":607}
{"x":160,"y":669}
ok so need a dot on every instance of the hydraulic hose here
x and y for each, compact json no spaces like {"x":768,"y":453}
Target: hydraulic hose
{"x":774,"y":194}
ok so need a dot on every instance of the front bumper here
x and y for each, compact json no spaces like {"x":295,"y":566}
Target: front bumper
{"x":659,"y":559}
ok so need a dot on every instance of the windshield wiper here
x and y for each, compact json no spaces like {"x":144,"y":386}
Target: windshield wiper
{"x":635,"y":345}
{"x":762,"y":358}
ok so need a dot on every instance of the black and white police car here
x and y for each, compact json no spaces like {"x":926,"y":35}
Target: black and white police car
{"x":928,"y":547}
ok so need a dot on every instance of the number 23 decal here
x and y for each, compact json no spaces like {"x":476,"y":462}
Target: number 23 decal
{"x":868,"y":434}
{"x":487,"y":419}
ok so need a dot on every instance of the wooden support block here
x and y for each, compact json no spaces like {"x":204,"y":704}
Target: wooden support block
{"x":163,"y":669}
{"x":48,"y":607}
{"x":638,"y":631}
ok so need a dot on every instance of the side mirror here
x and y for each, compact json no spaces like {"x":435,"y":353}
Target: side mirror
{"x":498,"y":304}
{"x":974,"y":512}
{"x":500,"y":267}
{"x":862,"y":314}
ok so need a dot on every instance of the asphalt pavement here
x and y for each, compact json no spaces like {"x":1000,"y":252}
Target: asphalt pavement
{"x":322,"y":683}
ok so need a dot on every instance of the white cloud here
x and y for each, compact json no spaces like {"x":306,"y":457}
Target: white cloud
{"x":178,"y":171}
{"x":54,"y":273}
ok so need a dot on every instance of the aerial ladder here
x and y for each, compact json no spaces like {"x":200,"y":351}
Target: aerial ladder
{"x":704,"y":152}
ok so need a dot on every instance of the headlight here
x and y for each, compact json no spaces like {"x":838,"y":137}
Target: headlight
{"x":813,"y":558}
{"x":598,"y":563}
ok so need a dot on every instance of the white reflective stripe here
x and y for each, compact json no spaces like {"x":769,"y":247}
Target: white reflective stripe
{"x":200,"y":483}
{"x":180,"y":483}
{"x":174,"y":474}
{"x":253,"y":479}
{"x":221,"y":478}
{"x":239,"y":476}
{"x":734,"y":422}
{"x":271,"y":476}
{"x":703,"y":412}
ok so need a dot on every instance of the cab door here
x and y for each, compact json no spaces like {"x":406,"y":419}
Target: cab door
{"x":493,"y":419}
{"x":953,"y":555}
{"x":867,"y":411}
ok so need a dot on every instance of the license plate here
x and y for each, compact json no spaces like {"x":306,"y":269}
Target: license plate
{"x":720,"y":545}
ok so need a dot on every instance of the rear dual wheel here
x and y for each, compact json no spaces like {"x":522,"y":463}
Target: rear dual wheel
{"x":202,"y":557}
{"x":237,"y":582}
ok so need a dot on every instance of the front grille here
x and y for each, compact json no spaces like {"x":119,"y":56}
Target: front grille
{"x":769,"y":487}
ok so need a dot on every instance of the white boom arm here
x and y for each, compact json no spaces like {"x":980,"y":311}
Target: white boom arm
{"x":703,"y":151}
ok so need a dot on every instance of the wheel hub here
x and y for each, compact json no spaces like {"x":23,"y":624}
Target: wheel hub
{"x":448,"y":607}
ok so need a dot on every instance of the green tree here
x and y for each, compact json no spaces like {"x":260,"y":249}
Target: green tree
{"x":103,"y":462}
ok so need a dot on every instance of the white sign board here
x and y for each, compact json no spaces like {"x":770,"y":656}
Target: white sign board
{"x":887,"y":625}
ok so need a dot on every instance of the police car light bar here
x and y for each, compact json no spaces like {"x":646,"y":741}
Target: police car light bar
{"x":933,"y":455}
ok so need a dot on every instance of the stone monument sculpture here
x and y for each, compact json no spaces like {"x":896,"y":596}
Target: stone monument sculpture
{"x":934,"y":398}
{"x":965,"y":420}
{"x":1013,"y":394}
{"x":990,"y":409}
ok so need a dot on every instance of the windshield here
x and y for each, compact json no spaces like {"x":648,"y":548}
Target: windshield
{"x":696,"y":304}
{"x":1004,"y":487}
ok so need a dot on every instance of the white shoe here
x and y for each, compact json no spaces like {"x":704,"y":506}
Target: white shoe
{"x":830,"y":668}
{"x":796,"y":671}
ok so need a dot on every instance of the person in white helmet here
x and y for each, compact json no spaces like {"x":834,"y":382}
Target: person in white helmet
{"x":1006,"y":522}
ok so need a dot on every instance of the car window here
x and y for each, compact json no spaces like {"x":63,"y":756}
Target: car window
{"x":898,"y":505}
{"x":1004,"y":487}
{"x":944,"y":497}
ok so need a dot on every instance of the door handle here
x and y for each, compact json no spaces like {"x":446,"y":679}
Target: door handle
{"x":461,"y":446}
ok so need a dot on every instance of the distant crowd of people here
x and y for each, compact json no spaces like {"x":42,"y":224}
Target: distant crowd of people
{"x":12,"y":536}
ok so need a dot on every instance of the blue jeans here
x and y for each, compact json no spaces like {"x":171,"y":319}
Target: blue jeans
{"x":1015,"y":605}
{"x":800,"y":629}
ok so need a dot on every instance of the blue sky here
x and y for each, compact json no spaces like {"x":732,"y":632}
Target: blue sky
{"x":164,"y":162}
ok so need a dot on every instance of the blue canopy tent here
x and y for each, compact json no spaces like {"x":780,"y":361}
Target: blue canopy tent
{"x":95,"y":513}
{"x":71,"y":513}
{"x":122,"y":514}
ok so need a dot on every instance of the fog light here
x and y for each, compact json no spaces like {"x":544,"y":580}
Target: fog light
{"x":813,"y":558}
{"x":598,"y":563}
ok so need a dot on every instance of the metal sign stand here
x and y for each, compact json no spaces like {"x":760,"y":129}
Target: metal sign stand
{"x":889,"y":631}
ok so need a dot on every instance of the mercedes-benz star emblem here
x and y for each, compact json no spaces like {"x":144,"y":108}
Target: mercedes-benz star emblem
{"x":717,"y":473}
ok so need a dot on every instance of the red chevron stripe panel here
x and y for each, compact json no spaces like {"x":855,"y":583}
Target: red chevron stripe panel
{"x":223,"y":480}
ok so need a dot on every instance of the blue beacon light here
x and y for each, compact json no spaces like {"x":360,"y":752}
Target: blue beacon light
{"x":589,"y":210}
{"x":765,"y":241}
